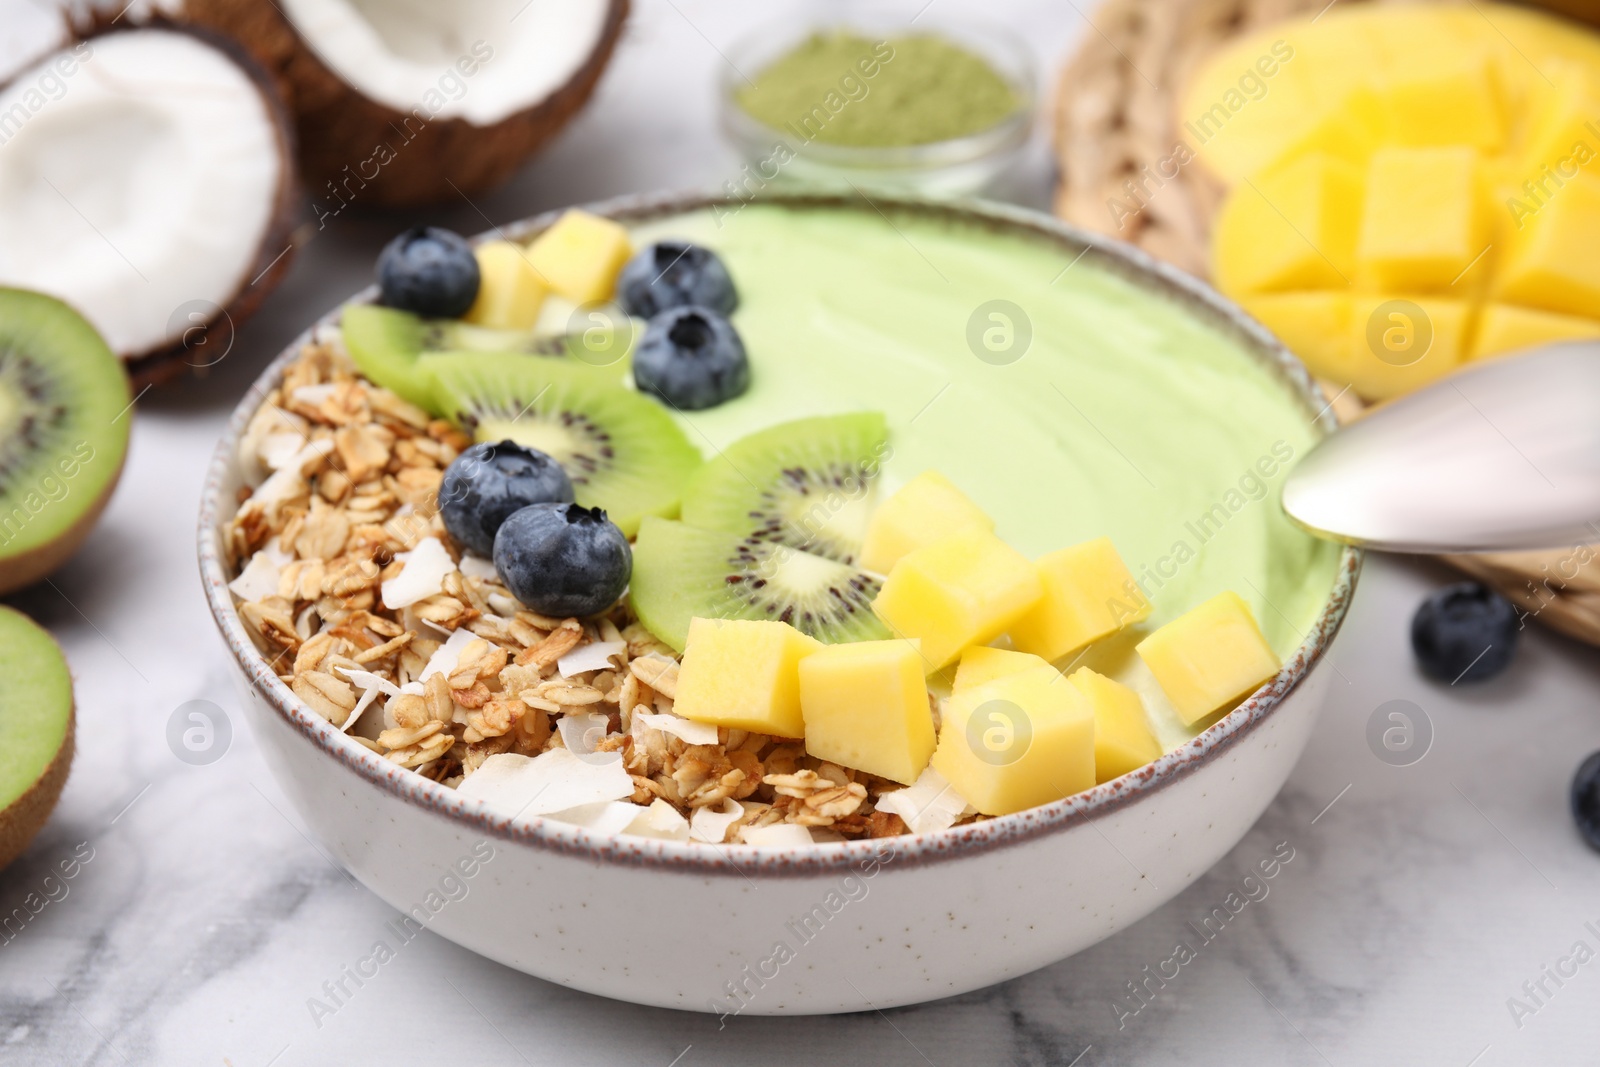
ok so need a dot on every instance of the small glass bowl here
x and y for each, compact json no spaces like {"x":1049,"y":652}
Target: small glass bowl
{"x":961,"y":166}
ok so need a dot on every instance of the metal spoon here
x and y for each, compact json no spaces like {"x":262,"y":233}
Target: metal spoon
{"x":1502,"y":456}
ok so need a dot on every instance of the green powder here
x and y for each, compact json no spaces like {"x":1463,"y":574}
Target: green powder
{"x":844,"y":89}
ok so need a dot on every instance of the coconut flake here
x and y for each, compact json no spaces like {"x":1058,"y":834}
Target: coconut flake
{"x":660,"y":820}
{"x":690,"y":732}
{"x":313,"y":395}
{"x":371,"y":685}
{"x":928,"y":804}
{"x":781,"y":835}
{"x":444,"y":660}
{"x":711,"y":824}
{"x":595,"y":656}
{"x":279,"y":450}
{"x":479,"y":568}
{"x":259,"y":579}
{"x":607,"y":817}
{"x":422,"y":576}
{"x":557,"y":780}
{"x":581,"y":732}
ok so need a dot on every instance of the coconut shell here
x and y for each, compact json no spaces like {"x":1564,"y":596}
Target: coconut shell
{"x":276,"y":251}
{"x":21,"y":822}
{"x":340,"y":129}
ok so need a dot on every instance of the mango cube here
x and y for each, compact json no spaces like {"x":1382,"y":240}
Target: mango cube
{"x":1506,"y":328}
{"x":744,"y":674}
{"x":962,"y":590}
{"x":1294,"y":228}
{"x":510,"y":293}
{"x":866,"y":707}
{"x":1400,"y":343}
{"x":1088,"y":593}
{"x":1552,"y":263}
{"x":1209,"y":657}
{"x":1426,"y":219}
{"x":1017,"y":742}
{"x":1442,"y":96}
{"x":1122,"y":738}
{"x":983,"y":663}
{"x":919,"y":513}
{"x":581,"y":255}
{"x":1314,"y":325}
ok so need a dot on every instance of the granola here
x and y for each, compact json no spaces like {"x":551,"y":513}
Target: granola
{"x":444,"y":669}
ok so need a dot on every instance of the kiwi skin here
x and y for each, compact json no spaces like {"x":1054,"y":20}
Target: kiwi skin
{"x":38,"y":563}
{"x":23,"y":820}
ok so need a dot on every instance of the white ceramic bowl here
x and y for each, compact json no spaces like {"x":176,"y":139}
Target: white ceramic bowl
{"x":821,"y":928}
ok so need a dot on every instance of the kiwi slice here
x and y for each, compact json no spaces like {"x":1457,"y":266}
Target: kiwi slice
{"x":35,"y":730}
{"x":63,"y":433}
{"x":682,"y":571}
{"x":807,"y":484}
{"x":386,"y":344}
{"x":622,"y":451}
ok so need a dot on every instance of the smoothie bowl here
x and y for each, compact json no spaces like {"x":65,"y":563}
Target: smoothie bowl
{"x":949,"y":627}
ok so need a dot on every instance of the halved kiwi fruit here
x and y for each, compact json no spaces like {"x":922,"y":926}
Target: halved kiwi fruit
{"x":64,"y":418}
{"x":681,"y":572}
{"x":622,"y":451}
{"x":808,"y":484}
{"x":35,"y":731}
{"x":386,"y":344}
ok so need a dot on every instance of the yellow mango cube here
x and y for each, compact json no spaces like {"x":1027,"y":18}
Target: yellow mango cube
{"x":1314,"y":325}
{"x":1552,"y":263}
{"x":1440,"y":96}
{"x":1122,"y":738}
{"x":919,"y":513}
{"x":981,"y":664}
{"x":581,"y":255}
{"x":1505,"y":328}
{"x":965,"y":589}
{"x":1208,"y":658}
{"x":1400,"y":343}
{"x":1425,"y":221}
{"x":1017,"y":742}
{"x":744,"y":674}
{"x":866,"y":708}
{"x":1293,"y":228}
{"x":1351,"y":129}
{"x":510,"y":293}
{"x":1088,"y":593}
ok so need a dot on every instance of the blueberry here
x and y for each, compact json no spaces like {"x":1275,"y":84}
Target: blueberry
{"x":1464,"y":633}
{"x":429,"y":271}
{"x":488,"y":482}
{"x":671,"y":274}
{"x":1586,"y":799}
{"x":563,"y":559}
{"x":692,"y":358}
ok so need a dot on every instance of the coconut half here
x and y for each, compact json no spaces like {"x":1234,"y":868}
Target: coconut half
{"x":406,"y":102}
{"x":147,"y":182}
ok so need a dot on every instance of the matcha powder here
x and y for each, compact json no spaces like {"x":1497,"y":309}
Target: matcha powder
{"x":844,"y":89}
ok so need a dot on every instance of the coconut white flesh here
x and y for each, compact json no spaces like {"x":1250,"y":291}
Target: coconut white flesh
{"x":478,"y":60}
{"x":140,"y":186}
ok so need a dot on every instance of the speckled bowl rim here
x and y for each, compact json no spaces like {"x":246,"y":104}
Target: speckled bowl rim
{"x":748,"y":861}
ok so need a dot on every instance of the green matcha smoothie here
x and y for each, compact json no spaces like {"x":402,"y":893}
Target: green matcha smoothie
{"x":1066,"y":402}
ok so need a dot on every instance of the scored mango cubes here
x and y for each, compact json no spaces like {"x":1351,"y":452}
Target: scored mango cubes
{"x":744,"y":674}
{"x":1209,"y":657}
{"x":581,"y":255}
{"x":1292,"y":229}
{"x":962,"y":590}
{"x":866,"y":708}
{"x":510,"y":293}
{"x":1552,"y":263}
{"x":1122,"y":738}
{"x":1504,"y":328}
{"x":1425,"y":221}
{"x":1018,"y":741}
{"x":1088,"y":593}
{"x":919,"y":513}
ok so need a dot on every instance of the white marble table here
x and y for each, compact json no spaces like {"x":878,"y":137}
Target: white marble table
{"x":1419,"y":900}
